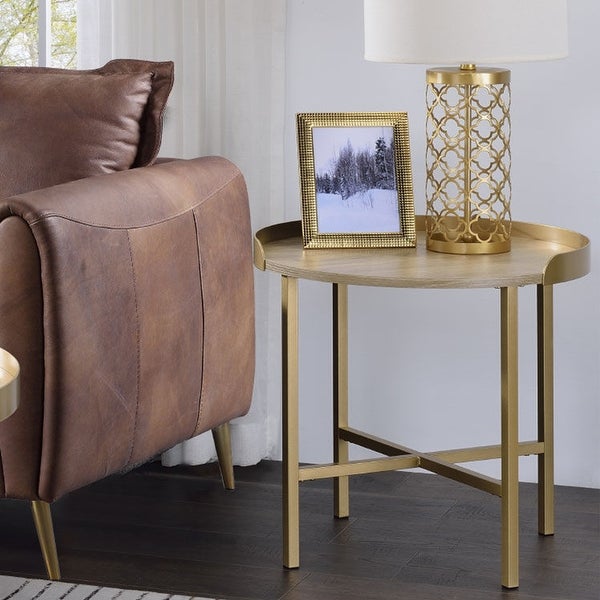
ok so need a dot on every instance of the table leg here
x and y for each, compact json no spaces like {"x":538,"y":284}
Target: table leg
{"x":341,"y":494}
{"x":510,"y":437}
{"x":291,"y":496}
{"x":545,"y":410}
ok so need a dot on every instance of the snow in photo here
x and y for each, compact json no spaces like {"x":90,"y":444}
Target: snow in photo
{"x":355,"y":180}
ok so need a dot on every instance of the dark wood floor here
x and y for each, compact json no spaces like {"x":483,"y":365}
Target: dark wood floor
{"x":410,"y":536}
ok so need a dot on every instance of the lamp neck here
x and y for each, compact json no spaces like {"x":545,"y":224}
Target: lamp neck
{"x":468,"y":67}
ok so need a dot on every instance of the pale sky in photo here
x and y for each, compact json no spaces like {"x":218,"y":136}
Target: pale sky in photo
{"x":328,"y":141}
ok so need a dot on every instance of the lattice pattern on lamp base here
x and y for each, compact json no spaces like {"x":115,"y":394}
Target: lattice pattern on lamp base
{"x":468,"y":161}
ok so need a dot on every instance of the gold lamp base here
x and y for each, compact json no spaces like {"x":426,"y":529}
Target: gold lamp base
{"x":468,"y":160}
{"x":454,"y":236}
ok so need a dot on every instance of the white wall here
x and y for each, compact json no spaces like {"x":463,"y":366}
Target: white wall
{"x":424,"y":364}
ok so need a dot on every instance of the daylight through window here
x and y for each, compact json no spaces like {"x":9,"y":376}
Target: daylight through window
{"x":21,"y":30}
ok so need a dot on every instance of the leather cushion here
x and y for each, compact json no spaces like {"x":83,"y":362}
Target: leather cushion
{"x":152,"y":119}
{"x":57,"y":125}
{"x":162,"y":74}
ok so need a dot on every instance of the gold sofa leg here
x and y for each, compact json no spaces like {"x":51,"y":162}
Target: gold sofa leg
{"x":42,"y":518}
{"x":222,"y":441}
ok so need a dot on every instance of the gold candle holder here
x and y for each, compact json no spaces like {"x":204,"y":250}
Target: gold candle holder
{"x":468,"y":160}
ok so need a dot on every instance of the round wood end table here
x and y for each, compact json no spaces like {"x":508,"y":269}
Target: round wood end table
{"x":541,"y":255}
{"x":9,"y":384}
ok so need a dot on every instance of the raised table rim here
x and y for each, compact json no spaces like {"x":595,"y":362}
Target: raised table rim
{"x":541,"y":254}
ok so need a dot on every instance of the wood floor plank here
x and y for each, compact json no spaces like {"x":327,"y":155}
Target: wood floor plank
{"x":410,"y":535}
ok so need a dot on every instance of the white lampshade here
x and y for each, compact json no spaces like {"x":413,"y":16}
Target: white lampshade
{"x":465,"y":31}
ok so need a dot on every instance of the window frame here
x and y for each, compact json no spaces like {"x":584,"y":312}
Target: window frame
{"x":44,"y":32}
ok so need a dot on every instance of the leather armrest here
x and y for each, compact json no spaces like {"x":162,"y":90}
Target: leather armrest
{"x":128,"y":199}
{"x":148,"y":314}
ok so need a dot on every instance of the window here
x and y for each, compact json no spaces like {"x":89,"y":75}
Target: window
{"x":38,"y":32}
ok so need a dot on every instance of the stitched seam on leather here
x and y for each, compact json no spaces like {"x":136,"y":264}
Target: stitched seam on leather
{"x":158,"y":140}
{"x":2,"y":490}
{"x":201,"y":281}
{"x":38,"y":477}
{"x":46,"y":216}
{"x":137,"y":335}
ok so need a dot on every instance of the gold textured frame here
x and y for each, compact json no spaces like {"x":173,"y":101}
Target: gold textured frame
{"x":404,"y":235}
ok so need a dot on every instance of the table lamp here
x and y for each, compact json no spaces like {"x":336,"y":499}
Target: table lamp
{"x":468,"y":186}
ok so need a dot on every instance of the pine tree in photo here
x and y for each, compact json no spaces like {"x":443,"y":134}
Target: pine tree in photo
{"x":345,"y":172}
{"x":384,"y":161}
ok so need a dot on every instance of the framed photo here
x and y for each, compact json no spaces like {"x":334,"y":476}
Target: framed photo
{"x":356,"y":180}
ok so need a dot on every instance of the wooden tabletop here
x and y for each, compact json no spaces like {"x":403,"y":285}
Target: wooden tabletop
{"x":9,"y":384}
{"x":540,"y":254}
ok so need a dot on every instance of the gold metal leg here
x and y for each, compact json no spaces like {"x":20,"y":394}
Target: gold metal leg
{"x":341,"y":493}
{"x":510,"y":437}
{"x":222,"y":439}
{"x":42,"y":517}
{"x":545,"y":410}
{"x":291,"y":492}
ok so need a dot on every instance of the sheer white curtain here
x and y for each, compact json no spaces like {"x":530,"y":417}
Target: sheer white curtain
{"x":228,"y":99}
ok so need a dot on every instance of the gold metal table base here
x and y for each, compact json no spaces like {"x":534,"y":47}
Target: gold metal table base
{"x":443,"y":462}
{"x":541,"y":255}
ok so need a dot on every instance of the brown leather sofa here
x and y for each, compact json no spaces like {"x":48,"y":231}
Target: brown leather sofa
{"x":126,"y":295}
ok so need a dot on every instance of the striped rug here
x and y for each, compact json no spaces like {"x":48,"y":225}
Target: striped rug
{"x":16,"y":588}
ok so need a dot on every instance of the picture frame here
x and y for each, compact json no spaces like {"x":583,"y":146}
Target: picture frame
{"x":356,"y":180}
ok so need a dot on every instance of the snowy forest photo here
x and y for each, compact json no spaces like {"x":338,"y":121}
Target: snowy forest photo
{"x":355,"y":180}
